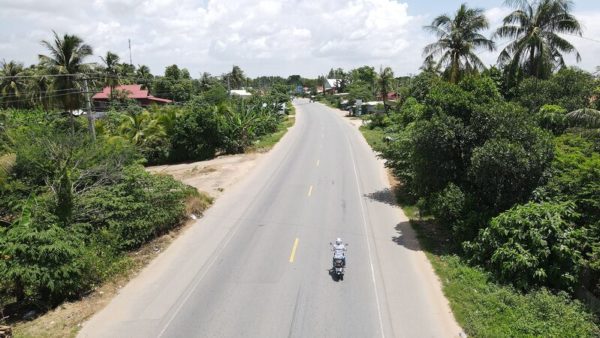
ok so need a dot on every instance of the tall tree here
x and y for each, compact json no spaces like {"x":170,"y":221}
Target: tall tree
{"x":236,"y":78}
{"x":40,"y":86}
{"x":144,"y":76}
{"x":12,"y":85}
{"x":66,"y":61}
{"x":536,"y":48}
{"x":111,"y":71}
{"x":458,"y":39}
{"x":386,"y":77}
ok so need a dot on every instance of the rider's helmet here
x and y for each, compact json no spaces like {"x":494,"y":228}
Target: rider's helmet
{"x":338,"y":241}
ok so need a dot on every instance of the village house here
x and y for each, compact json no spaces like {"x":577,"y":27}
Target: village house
{"x":135,"y":92}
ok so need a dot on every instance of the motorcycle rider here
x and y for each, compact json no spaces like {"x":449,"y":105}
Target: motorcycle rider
{"x":339,"y":250}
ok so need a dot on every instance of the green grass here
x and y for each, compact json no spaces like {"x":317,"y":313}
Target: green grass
{"x":374,"y":137}
{"x":487,"y":309}
{"x":267,"y":142}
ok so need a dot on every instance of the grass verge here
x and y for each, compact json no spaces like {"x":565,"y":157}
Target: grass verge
{"x":485,"y":308}
{"x":267,"y":142}
{"x":374,"y":137}
{"x":482,"y":307}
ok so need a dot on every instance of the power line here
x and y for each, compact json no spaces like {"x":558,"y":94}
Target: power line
{"x":581,"y":37}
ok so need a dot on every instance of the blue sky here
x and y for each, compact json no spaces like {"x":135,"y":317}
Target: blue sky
{"x":264,"y":37}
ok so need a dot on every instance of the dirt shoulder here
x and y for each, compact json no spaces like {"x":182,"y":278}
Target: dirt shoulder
{"x":212,"y":176}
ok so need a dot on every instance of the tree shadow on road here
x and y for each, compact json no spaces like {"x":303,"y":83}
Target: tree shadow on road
{"x":384,"y":196}
{"x":406,"y":236}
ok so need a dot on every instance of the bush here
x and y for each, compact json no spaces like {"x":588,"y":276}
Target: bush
{"x":410,"y":111}
{"x":536,"y":244}
{"x":449,"y":204}
{"x":438,"y":153}
{"x":552,"y":117}
{"x":136,"y":209}
{"x":42,"y":260}
{"x":196,"y":134}
{"x":450,"y":99}
{"x":504,"y":172}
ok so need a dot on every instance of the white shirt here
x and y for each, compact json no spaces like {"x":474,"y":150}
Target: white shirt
{"x":338,"y":250}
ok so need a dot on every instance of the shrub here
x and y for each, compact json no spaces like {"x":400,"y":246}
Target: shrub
{"x":448,"y":205}
{"x":42,"y":260}
{"x":553,"y":117}
{"x":196,"y":134}
{"x":439,"y":149}
{"x":450,"y":99}
{"x":409,"y":112}
{"x":136,"y":209}
{"x":536,"y":244}
{"x":504,"y":172}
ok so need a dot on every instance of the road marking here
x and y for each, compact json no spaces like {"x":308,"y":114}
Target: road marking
{"x":364,"y":222}
{"x":293,"y":254}
{"x":310,"y":191}
{"x":318,"y":163}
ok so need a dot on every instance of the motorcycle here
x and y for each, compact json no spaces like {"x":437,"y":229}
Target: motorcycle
{"x":339,"y":263}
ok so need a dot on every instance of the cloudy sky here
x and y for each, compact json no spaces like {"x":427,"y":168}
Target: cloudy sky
{"x":264,"y":37}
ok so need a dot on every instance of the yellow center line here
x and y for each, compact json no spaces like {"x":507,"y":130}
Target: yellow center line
{"x":318,"y":163}
{"x":310,"y":191}
{"x":293,"y":254}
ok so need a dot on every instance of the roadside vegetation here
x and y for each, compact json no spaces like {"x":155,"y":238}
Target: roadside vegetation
{"x":75,"y":198}
{"x":499,"y":170}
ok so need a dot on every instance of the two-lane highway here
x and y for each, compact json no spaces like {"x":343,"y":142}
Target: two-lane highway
{"x":257,"y":264}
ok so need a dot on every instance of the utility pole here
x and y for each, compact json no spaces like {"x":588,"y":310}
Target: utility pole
{"x":130,"y":60}
{"x":90,"y":114}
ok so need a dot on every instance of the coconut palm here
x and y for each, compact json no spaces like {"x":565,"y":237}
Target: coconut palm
{"x":537,"y":48}
{"x":66,"y":61}
{"x":458,"y":39}
{"x":385,"y":79}
{"x":584,"y":118}
{"x":142,"y":129}
{"x":144,"y":76}
{"x":236,"y":78}
{"x":111,"y":71}
{"x":12,"y":85}
{"x":40,"y":86}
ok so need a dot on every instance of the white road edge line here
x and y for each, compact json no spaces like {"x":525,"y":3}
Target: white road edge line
{"x":362,"y":210}
{"x":184,"y":301}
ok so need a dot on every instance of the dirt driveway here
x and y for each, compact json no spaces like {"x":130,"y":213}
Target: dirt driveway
{"x":211,"y":176}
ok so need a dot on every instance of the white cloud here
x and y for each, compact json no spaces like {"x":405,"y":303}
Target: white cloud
{"x":264,"y":37}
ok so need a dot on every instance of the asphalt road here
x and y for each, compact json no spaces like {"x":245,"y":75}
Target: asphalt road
{"x":257,"y":264}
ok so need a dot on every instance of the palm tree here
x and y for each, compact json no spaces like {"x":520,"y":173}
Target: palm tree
{"x":584,"y":118}
{"x":386,"y":76}
{"x":536,"y":48}
{"x":142,"y":129}
{"x":111,"y":71}
{"x":40,"y":86}
{"x":66,"y":61}
{"x":12,"y":85}
{"x":236,"y":78}
{"x":458,"y":38}
{"x":144,"y":76}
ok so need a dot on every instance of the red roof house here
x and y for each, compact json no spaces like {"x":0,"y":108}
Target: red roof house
{"x":135,"y":92}
{"x":391,"y":96}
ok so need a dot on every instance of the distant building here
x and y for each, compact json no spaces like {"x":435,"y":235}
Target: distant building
{"x":391,"y":96}
{"x":135,"y":92}
{"x":240,"y":93}
{"x":332,"y":85}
